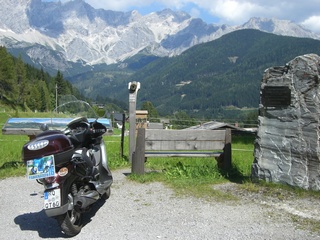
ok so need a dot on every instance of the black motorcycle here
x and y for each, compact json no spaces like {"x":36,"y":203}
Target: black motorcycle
{"x":72,"y":166}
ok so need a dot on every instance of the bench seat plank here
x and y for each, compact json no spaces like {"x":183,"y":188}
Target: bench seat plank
{"x":175,"y":140}
{"x":182,"y":154}
{"x":185,"y":135}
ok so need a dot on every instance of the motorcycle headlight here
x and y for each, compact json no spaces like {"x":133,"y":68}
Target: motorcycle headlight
{"x":38,"y":145}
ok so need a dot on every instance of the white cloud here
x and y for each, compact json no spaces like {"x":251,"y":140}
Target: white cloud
{"x":232,"y":12}
{"x":195,"y":12}
{"x":116,"y":5}
{"x":240,"y":11}
{"x":120,"y":5}
{"x":312,"y":23}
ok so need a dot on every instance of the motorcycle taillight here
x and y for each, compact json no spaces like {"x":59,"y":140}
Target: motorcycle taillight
{"x":50,"y":179}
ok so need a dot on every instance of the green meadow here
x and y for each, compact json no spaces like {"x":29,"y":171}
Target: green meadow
{"x":177,"y":171}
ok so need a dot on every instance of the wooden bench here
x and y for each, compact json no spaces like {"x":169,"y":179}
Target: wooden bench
{"x":182,"y":143}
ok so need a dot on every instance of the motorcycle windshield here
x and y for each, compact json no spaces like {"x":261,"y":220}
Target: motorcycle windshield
{"x":72,"y":108}
{"x":68,"y":109}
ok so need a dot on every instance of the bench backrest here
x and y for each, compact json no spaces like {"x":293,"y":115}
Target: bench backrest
{"x":188,"y":140}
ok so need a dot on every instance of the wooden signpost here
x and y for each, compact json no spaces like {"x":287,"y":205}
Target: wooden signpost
{"x":133,"y":91}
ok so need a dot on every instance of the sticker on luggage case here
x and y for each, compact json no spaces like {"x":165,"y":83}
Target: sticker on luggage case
{"x":41,"y":167}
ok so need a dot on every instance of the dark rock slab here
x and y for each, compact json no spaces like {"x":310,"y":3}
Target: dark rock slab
{"x":287,"y":144}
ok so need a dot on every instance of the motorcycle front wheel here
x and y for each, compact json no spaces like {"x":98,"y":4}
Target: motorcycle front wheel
{"x":70,"y":222}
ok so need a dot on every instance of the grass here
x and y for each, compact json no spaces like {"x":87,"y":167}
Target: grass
{"x":306,"y":224}
{"x":10,"y":151}
{"x":113,"y":145}
{"x":280,"y":191}
{"x":194,"y":176}
{"x":181,"y":173}
{"x":11,"y":164}
{"x":178,"y":171}
{"x":187,"y":176}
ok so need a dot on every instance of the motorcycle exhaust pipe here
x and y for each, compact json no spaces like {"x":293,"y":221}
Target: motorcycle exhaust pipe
{"x":85,"y":199}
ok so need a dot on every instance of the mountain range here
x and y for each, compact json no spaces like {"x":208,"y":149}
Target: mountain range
{"x":217,"y":79}
{"x":73,"y":37}
{"x":183,"y":64}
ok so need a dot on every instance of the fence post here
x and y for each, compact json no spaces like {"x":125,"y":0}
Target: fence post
{"x":138,"y":156}
{"x":227,"y":150}
{"x":122,"y":132}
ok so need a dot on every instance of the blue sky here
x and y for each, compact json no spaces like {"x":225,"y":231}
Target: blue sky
{"x":231,"y":12}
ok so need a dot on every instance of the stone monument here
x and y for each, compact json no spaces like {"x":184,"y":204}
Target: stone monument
{"x":287,"y":143}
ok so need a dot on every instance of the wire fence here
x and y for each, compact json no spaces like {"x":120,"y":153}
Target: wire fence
{"x":186,"y":123}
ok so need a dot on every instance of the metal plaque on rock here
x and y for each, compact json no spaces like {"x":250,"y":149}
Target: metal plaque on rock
{"x":276,"y":96}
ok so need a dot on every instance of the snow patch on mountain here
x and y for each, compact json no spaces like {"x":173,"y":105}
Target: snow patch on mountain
{"x":76,"y":32}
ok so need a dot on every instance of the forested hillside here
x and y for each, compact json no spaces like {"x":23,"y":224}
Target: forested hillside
{"x":215,"y":80}
{"x":226,"y":73}
{"x":23,"y":87}
{"x":218,"y":79}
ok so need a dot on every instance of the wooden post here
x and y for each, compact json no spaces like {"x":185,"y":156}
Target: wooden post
{"x":226,"y":164}
{"x":132,"y":125}
{"x":133,"y":91}
{"x":137,"y":166}
{"x":122,"y":133}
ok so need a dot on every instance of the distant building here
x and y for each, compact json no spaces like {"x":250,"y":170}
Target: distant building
{"x":213,"y":125}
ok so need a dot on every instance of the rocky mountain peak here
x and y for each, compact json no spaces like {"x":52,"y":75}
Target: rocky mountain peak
{"x":279,"y":27}
{"x":76,"y":32}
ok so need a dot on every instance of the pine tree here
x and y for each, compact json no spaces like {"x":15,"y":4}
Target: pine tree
{"x":8,"y":87}
{"x":34,"y":99}
{"x":152,"y":111}
{"x":60,"y":84}
{"x":23,"y":85}
{"x":21,"y":81}
{"x":44,"y":96}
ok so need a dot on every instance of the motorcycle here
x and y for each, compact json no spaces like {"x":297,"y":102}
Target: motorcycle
{"x":72,"y":166}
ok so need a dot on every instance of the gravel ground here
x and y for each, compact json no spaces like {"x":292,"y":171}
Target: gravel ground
{"x":152,"y":211}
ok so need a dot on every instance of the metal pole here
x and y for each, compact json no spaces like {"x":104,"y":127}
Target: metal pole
{"x":56,"y":97}
{"x":133,"y":91}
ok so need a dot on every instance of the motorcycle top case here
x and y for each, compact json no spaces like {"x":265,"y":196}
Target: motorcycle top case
{"x":49,"y":143}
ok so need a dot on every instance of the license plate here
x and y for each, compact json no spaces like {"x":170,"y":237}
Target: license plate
{"x":52,"y":198}
{"x":41,"y":167}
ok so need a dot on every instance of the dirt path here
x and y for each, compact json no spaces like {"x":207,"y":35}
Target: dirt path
{"x":152,"y":211}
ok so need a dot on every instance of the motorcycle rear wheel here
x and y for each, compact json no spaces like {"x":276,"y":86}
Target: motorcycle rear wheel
{"x":107,"y":194}
{"x":70,"y":222}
